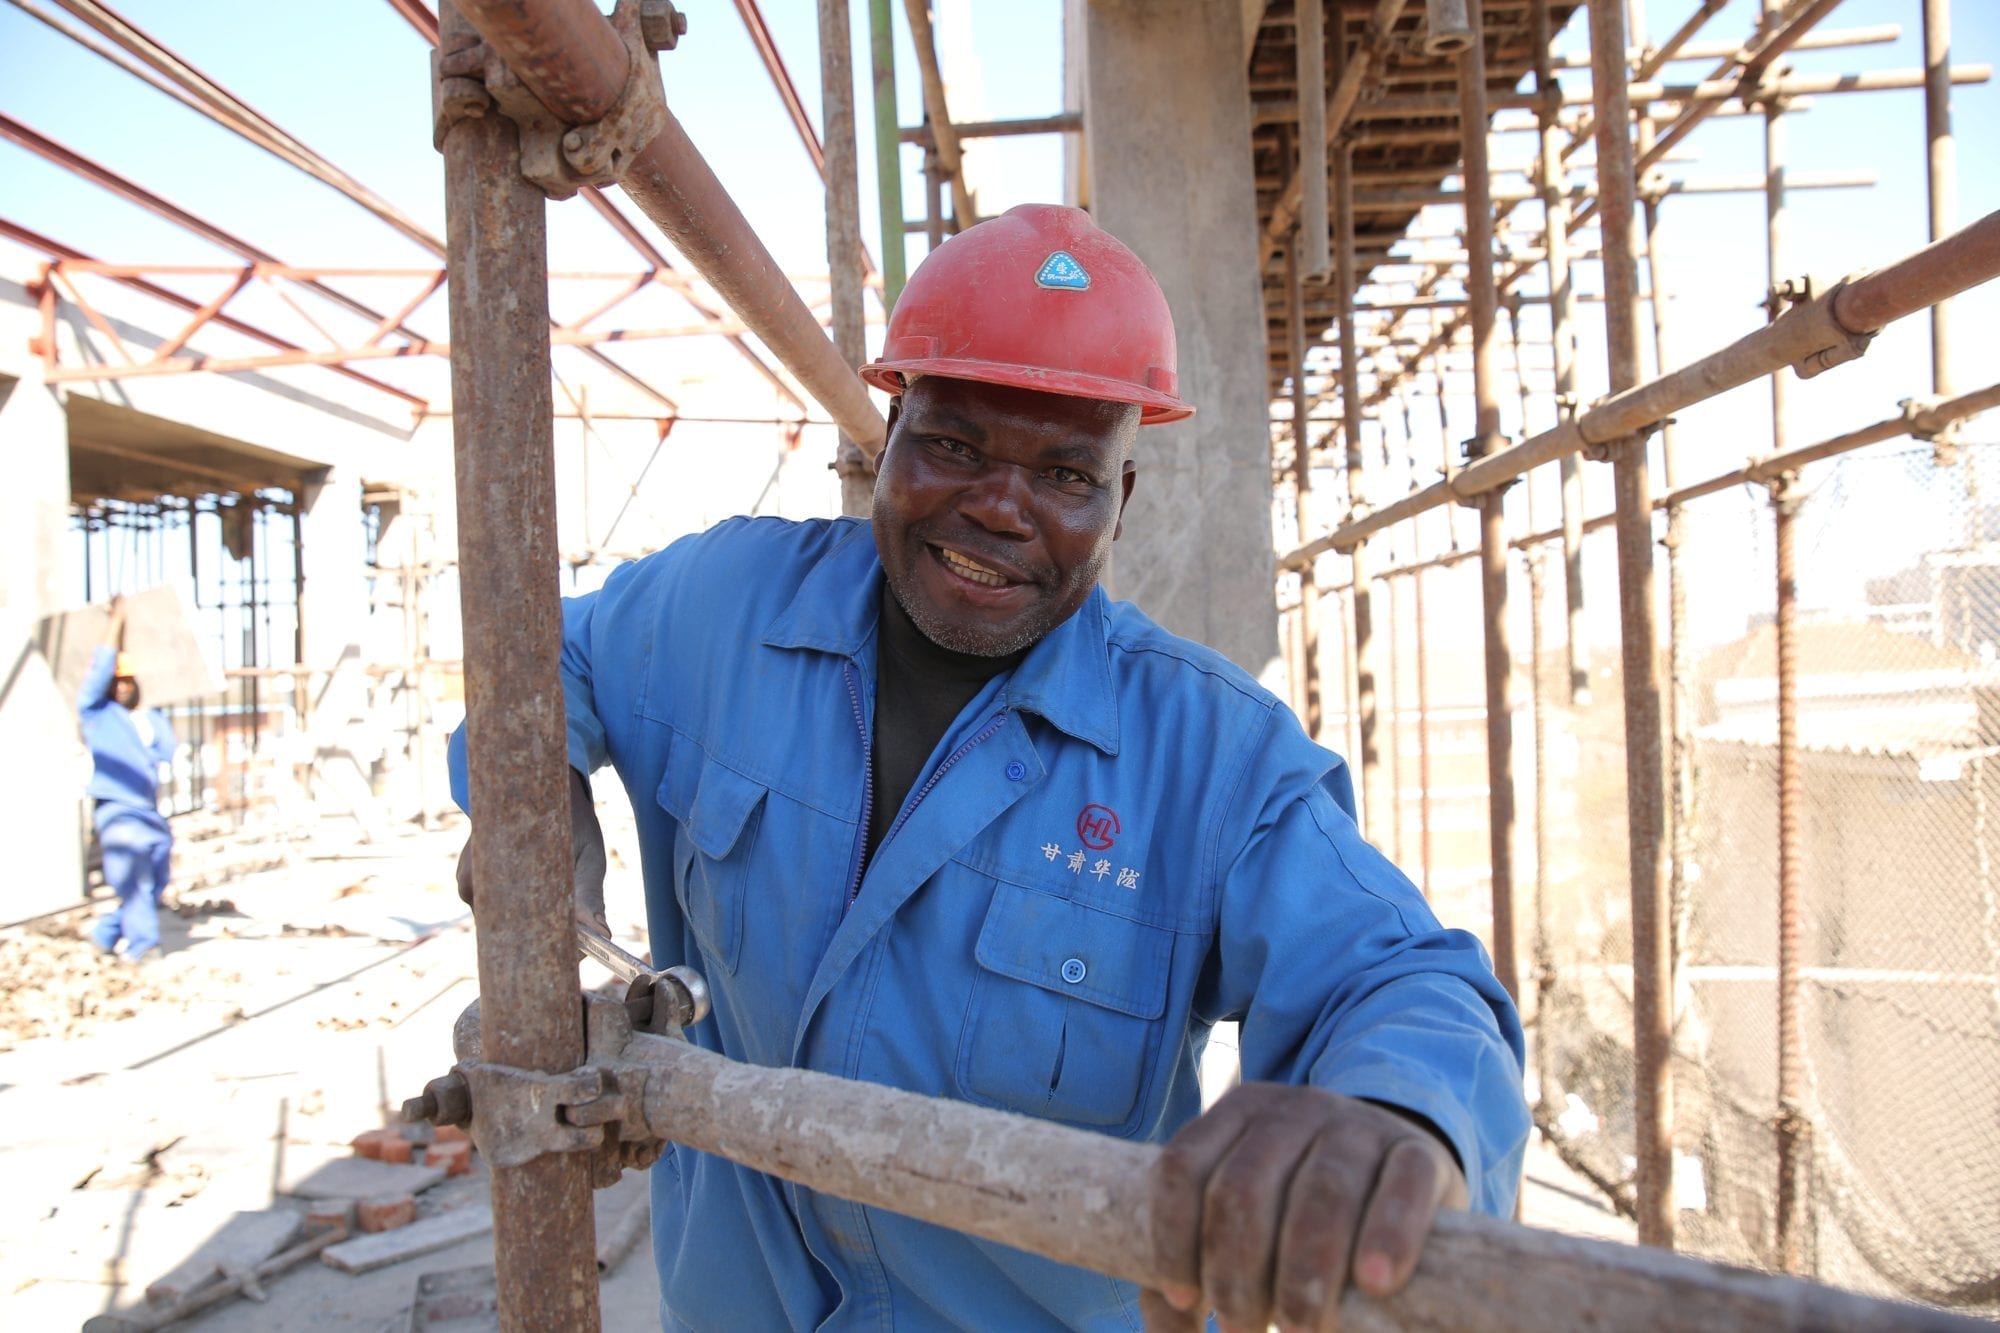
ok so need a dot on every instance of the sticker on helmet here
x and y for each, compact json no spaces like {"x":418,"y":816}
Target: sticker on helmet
{"x":1060,"y":270}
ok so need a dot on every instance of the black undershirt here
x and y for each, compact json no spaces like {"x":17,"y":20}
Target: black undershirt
{"x":920,"y":689}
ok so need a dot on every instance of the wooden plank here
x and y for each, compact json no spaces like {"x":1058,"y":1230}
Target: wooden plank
{"x":246,"y":1240}
{"x":365,"y":1253}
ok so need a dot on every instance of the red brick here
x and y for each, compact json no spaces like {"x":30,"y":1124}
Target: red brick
{"x":330,"y":1212}
{"x":396,"y":1148}
{"x":371,"y":1144}
{"x":450,"y":1134}
{"x":387,"y":1212}
{"x":455,"y":1158}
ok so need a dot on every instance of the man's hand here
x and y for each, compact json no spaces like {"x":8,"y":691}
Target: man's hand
{"x":1278,"y":1194}
{"x":586,"y":850}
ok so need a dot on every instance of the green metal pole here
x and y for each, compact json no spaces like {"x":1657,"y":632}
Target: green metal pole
{"x":888,"y":149}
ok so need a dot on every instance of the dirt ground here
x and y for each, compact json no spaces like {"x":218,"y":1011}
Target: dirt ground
{"x":291,"y":1009}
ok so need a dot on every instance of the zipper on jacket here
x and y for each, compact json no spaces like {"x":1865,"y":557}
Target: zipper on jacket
{"x":867,"y":786}
{"x":949,"y":763}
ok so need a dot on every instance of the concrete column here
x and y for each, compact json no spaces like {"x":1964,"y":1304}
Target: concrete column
{"x":1168,"y":159}
{"x":36,"y":577}
{"x":41,"y":792}
{"x":346,"y":735}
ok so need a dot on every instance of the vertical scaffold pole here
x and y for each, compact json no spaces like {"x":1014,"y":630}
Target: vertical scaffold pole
{"x":1652,"y":1020}
{"x":888,"y":148}
{"x":1483,"y":293}
{"x":1941,"y":170}
{"x":1680,"y":666}
{"x":1375,"y":800}
{"x":509,"y":570}
{"x":1562,"y":335}
{"x":846,"y":266}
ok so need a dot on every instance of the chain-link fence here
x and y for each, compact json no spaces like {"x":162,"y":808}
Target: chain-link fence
{"x":1898,"y":759}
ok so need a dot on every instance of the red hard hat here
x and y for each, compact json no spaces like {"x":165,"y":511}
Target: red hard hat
{"x":1038,"y":298}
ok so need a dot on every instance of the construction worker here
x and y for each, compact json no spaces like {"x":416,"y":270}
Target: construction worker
{"x":926,"y":808}
{"x":127,"y":742}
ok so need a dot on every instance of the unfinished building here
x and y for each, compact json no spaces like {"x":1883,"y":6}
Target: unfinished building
{"x":1708,"y":776}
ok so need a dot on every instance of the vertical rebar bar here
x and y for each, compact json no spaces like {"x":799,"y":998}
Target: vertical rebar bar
{"x":1482,"y":291}
{"x":1423,"y":729}
{"x":543,"y":1236}
{"x":1792,"y":1200}
{"x":1295,"y":332}
{"x":1374,"y":801}
{"x":888,"y":148}
{"x":1562,"y":335}
{"x":1395,"y":747}
{"x":1652,"y":1012}
{"x":847,"y":263}
{"x":1794,"y":1146}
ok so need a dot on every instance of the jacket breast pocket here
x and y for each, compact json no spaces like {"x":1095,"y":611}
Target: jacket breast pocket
{"x":1064,"y":1021}
{"x":718,"y":811}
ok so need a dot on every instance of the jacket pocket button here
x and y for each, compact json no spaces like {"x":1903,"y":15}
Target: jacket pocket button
{"x":1072,"y":971}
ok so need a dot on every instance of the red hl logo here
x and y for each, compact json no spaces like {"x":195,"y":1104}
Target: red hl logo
{"x":1097,"y":825}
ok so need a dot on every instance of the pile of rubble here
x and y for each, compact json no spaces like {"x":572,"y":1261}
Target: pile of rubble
{"x":60,"y":985}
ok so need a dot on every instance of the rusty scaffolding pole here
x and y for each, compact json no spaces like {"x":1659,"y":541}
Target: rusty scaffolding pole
{"x":1367,"y":750}
{"x":497,"y":242}
{"x":1562,"y":323}
{"x":1652,"y":1018}
{"x":1487,"y":440}
{"x":847,"y":263}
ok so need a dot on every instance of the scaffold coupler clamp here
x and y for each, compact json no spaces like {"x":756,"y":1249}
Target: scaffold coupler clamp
{"x":1920,"y":416}
{"x":1471,"y":451}
{"x":1847,"y":345}
{"x":561,"y":158}
{"x":517,"y":1115}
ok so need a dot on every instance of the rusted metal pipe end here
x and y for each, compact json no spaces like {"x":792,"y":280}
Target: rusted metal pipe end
{"x":445,"y":1101}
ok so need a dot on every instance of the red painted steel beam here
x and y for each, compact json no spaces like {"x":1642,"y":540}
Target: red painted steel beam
{"x":34,"y":240}
{"x":781,"y":78}
{"x":419,"y":16}
{"x":178,"y":78}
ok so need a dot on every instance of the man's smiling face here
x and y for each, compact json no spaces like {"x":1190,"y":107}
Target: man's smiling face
{"x":996,"y":507}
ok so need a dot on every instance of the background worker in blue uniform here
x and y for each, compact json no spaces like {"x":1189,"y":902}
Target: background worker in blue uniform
{"x":128,"y":742}
{"x":927,"y":809}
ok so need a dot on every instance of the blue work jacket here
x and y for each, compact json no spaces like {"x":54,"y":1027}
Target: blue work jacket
{"x":125,"y":770}
{"x":1121,"y":843}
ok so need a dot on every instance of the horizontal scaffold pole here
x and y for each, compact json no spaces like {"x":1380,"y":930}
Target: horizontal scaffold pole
{"x":1815,"y":335}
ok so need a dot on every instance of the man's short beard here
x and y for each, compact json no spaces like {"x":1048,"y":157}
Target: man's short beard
{"x":1031,"y":630}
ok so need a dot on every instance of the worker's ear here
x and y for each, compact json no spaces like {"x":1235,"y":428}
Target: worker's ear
{"x":1126,"y":476}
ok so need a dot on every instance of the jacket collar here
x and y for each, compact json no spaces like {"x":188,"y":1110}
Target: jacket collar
{"x":1065,"y":679}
